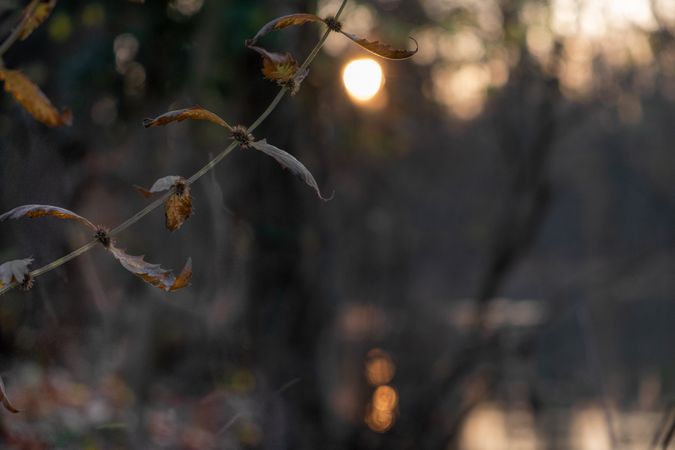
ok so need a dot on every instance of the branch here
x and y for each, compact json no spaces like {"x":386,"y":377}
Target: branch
{"x":16,"y":32}
{"x":200,"y":173}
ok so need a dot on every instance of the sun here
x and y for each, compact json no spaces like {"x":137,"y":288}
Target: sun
{"x":363,"y":79}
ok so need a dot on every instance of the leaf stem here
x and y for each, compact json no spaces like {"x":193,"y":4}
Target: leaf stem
{"x":16,"y":32}
{"x":200,"y":173}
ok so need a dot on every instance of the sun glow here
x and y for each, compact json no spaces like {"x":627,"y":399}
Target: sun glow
{"x":363,"y":79}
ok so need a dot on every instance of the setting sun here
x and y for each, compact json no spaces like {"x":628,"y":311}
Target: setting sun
{"x":363,"y":79}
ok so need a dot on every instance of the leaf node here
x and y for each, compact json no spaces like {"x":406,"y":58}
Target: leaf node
{"x":242,"y":136}
{"x":333,"y":24}
{"x":103,"y":237}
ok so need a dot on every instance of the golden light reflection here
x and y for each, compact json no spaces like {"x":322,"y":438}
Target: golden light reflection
{"x":589,"y":430}
{"x":485,"y":429}
{"x":380,"y":421}
{"x":381,"y":412}
{"x":385,"y":398}
{"x":466,"y":61}
{"x":380,"y":367}
{"x":363,"y":79}
{"x":462,"y":90}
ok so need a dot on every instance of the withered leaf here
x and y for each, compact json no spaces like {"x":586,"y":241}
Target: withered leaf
{"x":283,"y":22}
{"x":33,"y":211}
{"x":161,"y":185}
{"x":383,"y":50}
{"x":276,"y":66}
{"x":193,"y":112}
{"x":29,"y":95}
{"x":14,"y":271}
{"x":153,"y":273}
{"x":178,"y":207}
{"x":5,"y":400}
{"x":35,"y":17}
{"x":289,"y":162}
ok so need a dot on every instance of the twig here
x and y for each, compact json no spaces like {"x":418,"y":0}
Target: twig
{"x":16,"y":32}
{"x":204,"y":170}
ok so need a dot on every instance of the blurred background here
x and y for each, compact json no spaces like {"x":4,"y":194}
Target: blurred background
{"x":496,"y":270}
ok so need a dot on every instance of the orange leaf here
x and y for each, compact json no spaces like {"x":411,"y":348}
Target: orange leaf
{"x":14,"y":271}
{"x":383,"y":50}
{"x":178,"y":207}
{"x":193,"y":112}
{"x":29,"y":95}
{"x":152,"y":273}
{"x":36,"y":17}
{"x":33,"y":211}
{"x":283,"y":22}
{"x":4,"y":400}
{"x":276,"y":66}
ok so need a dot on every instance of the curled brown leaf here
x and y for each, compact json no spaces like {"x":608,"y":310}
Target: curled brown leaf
{"x":193,"y":113}
{"x":14,"y":271}
{"x":5,"y":400}
{"x":152,"y":273}
{"x":178,"y":207}
{"x":33,"y":211}
{"x":29,"y":95}
{"x":283,"y":22}
{"x":35,"y":17}
{"x":382,"y":50}
{"x":287,"y":161}
{"x":277,"y":66}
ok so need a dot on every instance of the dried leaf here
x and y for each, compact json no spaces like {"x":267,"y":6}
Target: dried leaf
{"x":287,"y":161}
{"x":14,"y":271}
{"x":178,"y":207}
{"x":36,"y":17}
{"x":33,"y":211}
{"x":193,"y":112}
{"x":29,"y":95}
{"x":383,"y":50}
{"x":276,"y":66}
{"x":283,"y":22}
{"x":161,"y":185}
{"x":153,"y":273}
{"x":4,"y":400}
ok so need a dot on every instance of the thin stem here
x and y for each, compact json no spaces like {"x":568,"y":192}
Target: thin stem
{"x":16,"y":32}
{"x":269,"y":109}
{"x":140,"y":214}
{"x":59,"y":262}
{"x":200,"y":173}
{"x":204,"y":170}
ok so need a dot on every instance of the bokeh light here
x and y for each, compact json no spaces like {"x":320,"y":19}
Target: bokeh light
{"x":382,"y":410}
{"x":363,"y":79}
{"x":380,"y":368}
